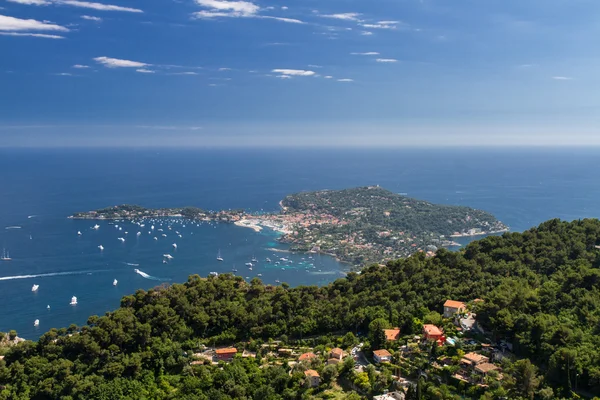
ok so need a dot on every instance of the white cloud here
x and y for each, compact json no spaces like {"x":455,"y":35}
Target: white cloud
{"x":288,"y":20}
{"x":314,"y":66}
{"x":31,"y":2}
{"x":366,"y":33}
{"x":224,"y":69}
{"x":343,"y":16}
{"x":345,"y":80}
{"x":17,"y":24}
{"x":562,"y":78}
{"x":382,"y":25}
{"x":283,"y":77}
{"x":284,"y":8}
{"x":117,"y":63}
{"x":244,"y":7}
{"x":368,"y":53}
{"x":328,"y":77}
{"x":91,"y":18}
{"x":98,"y":6}
{"x":145,"y":71}
{"x":184,"y":73}
{"x":79,"y":66}
{"x":38,"y":35}
{"x":169,"y":128}
{"x":386,"y":60}
{"x":64,"y":74}
{"x":236,"y":9}
{"x":293,"y":72}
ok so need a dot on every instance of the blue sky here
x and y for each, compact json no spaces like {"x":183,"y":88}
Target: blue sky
{"x":299,"y":72}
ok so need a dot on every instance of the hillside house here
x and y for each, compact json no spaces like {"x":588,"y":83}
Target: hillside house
{"x":307,"y":356}
{"x":432,"y":332}
{"x":452,"y":307}
{"x":226,"y":354}
{"x":312,"y":378}
{"x":382,"y":356}
{"x":336,"y":353}
{"x":392,"y":335}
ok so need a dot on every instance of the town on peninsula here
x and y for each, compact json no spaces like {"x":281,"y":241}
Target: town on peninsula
{"x":358,"y":226}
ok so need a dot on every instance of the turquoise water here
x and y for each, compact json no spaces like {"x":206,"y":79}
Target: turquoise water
{"x":522,"y":188}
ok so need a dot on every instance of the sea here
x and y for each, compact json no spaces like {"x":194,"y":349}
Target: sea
{"x":40,"y":188}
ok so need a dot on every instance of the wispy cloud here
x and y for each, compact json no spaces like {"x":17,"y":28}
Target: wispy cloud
{"x":293,"y":72}
{"x":97,"y":6}
{"x":236,"y":9}
{"x":562,"y":78}
{"x":80,"y":66}
{"x":17,"y":24}
{"x":91,"y":18}
{"x":183,"y":73}
{"x":343,"y":16}
{"x":224,"y":69}
{"x":382,"y":25}
{"x":31,"y":2}
{"x":368,"y":53}
{"x":145,"y":71}
{"x":386,"y":60}
{"x":366,"y":33}
{"x":64,"y":74}
{"x":38,"y":35}
{"x":345,"y":80}
{"x":118,"y":63}
{"x":169,"y":127}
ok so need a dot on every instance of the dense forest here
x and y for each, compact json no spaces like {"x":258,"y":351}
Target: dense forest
{"x":540,"y":291}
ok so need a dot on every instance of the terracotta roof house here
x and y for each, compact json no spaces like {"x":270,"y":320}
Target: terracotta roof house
{"x":382,"y":356}
{"x":333,"y":361}
{"x":392,"y":334}
{"x":485,"y":368}
{"x":336,"y":353}
{"x":307,"y":356}
{"x":226,"y":354}
{"x":452,"y":307}
{"x":432,"y":332}
{"x":474,"y":359}
{"x":312,"y":378}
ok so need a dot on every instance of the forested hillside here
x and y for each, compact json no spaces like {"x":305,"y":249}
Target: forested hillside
{"x":541,"y":292}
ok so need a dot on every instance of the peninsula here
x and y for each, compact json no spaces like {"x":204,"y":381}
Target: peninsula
{"x":359,"y":226}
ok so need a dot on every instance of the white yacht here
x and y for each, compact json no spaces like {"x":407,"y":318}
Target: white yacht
{"x":101,"y":247}
{"x":73,"y":301}
{"x":48,"y":306}
{"x":5,"y":255}
{"x":175,"y":246}
{"x":35,"y":288}
{"x":219,"y":258}
{"x":122,"y":240}
{"x":78,"y":233}
{"x":254,"y":260}
{"x":36,"y":322}
{"x":139,"y":233}
{"x":214,"y":274}
{"x":155,"y":238}
{"x":168,"y":256}
{"x":115,"y":282}
{"x":96,"y":227}
{"x":249,"y":264}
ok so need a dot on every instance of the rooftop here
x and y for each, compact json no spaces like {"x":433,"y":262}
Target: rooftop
{"x":229,"y":350}
{"x":337,"y":352}
{"x":392,"y":334}
{"x":485,"y":368}
{"x":454,"y":304}
{"x":382,"y":353}
{"x":432,"y":330}
{"x":311,"y":373}
{"x":307,"y":356}
{"x":475,"y":358}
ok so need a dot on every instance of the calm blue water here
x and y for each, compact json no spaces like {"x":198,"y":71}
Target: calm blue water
{"x":522,"y":188}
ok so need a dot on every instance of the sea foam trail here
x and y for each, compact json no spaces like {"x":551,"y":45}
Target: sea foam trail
{"x":9,"y":278}
{"x":145,"y":275}
{"x":133,"y":265}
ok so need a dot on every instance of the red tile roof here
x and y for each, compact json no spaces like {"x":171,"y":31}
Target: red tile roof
{"x":307,"y":356}
{"x":432,"y":330}
{"x":454,"y":304}
{"x":382,"y":353}
{"x":311,"y":372}
{"x":230,"y":350}
{"x":337,"y":352}
{"x":392,"y":334}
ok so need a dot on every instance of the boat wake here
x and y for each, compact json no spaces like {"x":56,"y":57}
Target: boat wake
{"x":145,"y":275}
{"x":9,"y":278}
{"x":13,"y":227}
{"x":133,"y":265}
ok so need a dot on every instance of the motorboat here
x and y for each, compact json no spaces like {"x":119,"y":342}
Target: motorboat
{"x":35,"y":288}
{"x":73,"y":301}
